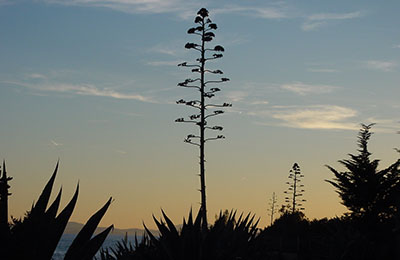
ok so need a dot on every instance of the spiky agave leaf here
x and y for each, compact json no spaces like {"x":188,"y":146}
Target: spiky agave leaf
{"x":95,"y":243}
{"x":51,"y":212}
{"x":58,"y":225}
{"x":170,"y":224}
{"x":167,"y":240}
{"x":41,"y":205}
{"x":84,"y":235}
{"x":30,"y":234}
{"x":45,"y":251}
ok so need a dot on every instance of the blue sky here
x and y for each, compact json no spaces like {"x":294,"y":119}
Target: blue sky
{"x":94,"y":84}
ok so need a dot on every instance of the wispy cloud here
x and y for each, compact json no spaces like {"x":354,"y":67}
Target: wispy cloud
{"x":163,"y":63}
{"x":236,"y":96}
{"x":381,"y":65}
{"x":259,"y":102}
{"x":55,"y":143}
{"x":167,"y":50}
{"x":397,"y":46}
{"x":36,"y":76}
{"x":322,"y":70}
{"x":304,"y":89}
{"x":260,"y":12}
{"x":135,"y":6}
{"x":79,"y":89}
{"x":313,"y":117}
{"x":315,"y":21}
{"x":181,"y":8}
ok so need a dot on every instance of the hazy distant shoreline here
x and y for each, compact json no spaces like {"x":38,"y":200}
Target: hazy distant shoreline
{"x":73,"y":228}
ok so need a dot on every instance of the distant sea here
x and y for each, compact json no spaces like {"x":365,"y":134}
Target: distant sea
{"x":67,"y":239}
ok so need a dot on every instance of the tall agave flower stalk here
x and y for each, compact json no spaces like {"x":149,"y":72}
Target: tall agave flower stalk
{"x":295,"y":189}
{"x":204,"y":110}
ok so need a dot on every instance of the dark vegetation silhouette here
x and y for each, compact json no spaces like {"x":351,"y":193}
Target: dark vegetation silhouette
{"x":367,"y":192}
{"x":36,"y":235}
{"x":204,"y":110}
{"x":295,"y":190}
{"x":272,"y":207}
{"x":370,"y":231}
{"x":292,"y":235}
{"x":228,"y":238}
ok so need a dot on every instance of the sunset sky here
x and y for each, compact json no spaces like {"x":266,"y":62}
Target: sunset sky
{"x":94,"y":84}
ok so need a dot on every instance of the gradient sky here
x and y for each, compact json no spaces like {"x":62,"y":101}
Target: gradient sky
{"x":94,"y":83}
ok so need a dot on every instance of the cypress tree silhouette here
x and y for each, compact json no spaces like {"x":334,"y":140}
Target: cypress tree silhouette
{"x":204,"y":110}
{"x":295,"y":189}
{"x":364,"y":190}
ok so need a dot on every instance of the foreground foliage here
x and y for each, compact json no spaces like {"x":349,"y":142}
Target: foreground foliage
{"x":228,"y":238}
{"x":292,"y":236}
{"x":36,"y":235}
{"x":371,"y":231}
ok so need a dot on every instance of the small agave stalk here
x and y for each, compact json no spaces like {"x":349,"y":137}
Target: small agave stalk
{"x":295,"y":189}
{"x":272,"y":206}
{"x":4,"y":194}
{"x":204,"y":110}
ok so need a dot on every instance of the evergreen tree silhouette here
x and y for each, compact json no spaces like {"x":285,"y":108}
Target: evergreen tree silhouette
{"x":365,"y":190}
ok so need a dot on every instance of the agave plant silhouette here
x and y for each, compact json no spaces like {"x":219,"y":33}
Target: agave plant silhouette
{"x":36,"y":236}
{"x":227,"y":238}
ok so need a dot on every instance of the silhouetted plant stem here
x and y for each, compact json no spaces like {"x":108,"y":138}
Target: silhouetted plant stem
{"x":4,"y":186}
{"x":202,"y":137}
{"x":204,"y":31}
{"x":273,"y":205}
{"x":295,"y":189}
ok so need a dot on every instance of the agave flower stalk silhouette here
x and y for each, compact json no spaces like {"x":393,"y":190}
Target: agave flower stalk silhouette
{"x":295,"y":189}
{"x":272,"y":206}
{"x":204,"y":109}
{"x":4,"y":186}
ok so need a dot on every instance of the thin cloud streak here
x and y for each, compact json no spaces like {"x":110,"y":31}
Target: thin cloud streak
{"x":183,"y":9}
{"x":236,"y":96}
{"x":315,"y":21}
{"x":263,"y":12}
{"x":264,"y":102}
{"x":305,"y":89}
{"x":55,"y":143}
{"x":134,"y":6}
{"x":36,"y":76}
{"x":322,"y":70}
{"x":323,"y":117}
{"x":82,"y":89}
{"x":381,"y":65}
{"x":163,"y":63}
